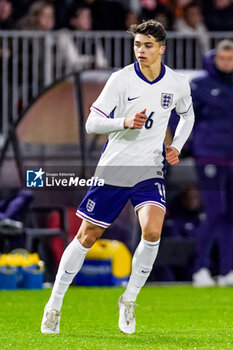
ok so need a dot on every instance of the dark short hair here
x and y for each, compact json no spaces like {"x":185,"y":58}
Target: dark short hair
{"x":149,"y":28}
{"x":77,"y":8}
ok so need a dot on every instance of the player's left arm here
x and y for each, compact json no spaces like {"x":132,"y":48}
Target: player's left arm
{"x":184,"y":108}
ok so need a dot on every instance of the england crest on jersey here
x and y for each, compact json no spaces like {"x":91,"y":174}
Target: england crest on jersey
{"x":90,"y":205}
{"x":166,"y":100}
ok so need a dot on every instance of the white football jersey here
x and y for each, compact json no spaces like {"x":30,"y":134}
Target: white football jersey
{"x":134,"y":155}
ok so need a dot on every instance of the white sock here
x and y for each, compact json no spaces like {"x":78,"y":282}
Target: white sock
{"x":70,"y":264}
{"x":142,"y":263}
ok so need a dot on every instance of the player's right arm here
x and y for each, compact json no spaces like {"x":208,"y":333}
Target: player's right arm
{"x":102,"y":120}
{"x":97,"y":124}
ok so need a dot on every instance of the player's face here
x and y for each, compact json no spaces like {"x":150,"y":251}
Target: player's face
{"x":147,"y":50}
{"x":224,"y":61}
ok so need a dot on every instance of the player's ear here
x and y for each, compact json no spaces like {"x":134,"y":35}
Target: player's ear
{"x":162,"y":49}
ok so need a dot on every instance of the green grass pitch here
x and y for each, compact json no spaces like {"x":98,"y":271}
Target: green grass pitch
{"x":167,"y":318}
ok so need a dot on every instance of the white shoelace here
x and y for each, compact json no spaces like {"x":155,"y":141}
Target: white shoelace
{"x":52,"y":319}
{"x":129,"y":310}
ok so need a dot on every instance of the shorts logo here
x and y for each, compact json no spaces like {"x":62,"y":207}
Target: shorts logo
{"x":166,"y":100}
{"x":90,"y":205}
{"x":35,"y":178}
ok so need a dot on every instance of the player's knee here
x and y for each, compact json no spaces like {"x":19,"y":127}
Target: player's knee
{"x":151,"y":235}
{"x":87,"y":240}
{"x":88,"y":234}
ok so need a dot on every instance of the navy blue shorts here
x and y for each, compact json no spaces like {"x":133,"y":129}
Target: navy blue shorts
{"x":102,"y":204}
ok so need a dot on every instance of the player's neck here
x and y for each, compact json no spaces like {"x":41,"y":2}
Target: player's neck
{"x":151,"y":72}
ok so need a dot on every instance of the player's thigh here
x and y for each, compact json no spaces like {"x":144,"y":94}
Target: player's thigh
{"x":151,"y":218}
{"x":149,"y":200}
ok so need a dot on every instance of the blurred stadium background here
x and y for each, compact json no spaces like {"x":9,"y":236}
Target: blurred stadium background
{"x":55,"y":58}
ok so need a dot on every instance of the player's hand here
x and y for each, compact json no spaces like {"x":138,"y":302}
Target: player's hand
{"x":172,"y":155}
{"x":136,"y":121}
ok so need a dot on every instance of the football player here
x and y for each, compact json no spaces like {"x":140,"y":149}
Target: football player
{"x":134,"y":109}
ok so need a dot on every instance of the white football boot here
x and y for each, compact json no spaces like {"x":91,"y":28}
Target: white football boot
{"x":127,"y":321}
{"x":226,"y":280}
{"x":51,"y":321}
{"x":203,"y":278}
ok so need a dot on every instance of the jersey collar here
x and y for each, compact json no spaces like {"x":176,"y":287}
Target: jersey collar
{"x":139,"y":73}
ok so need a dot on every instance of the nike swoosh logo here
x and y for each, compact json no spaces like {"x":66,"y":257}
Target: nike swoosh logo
{"x":145,"y":271}
{"x":133,"y":98}
{"x":69,"y":273}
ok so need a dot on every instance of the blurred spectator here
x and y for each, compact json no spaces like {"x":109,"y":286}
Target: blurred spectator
{"x":41,"y":16}
{"x":184,"y":213}
{"x":81,"y":19}
{"x":131,"y":17}
{"x":15,"y":206}
{"x":218,"y":14}
{"x":213,"y":151}
{"x":6,"y":21}
{"x":157,"y":10}
{"x":13,"y":210}
{"x":192,"y":23}
{"x":176,"y":6}
{"x":106,"y":14}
